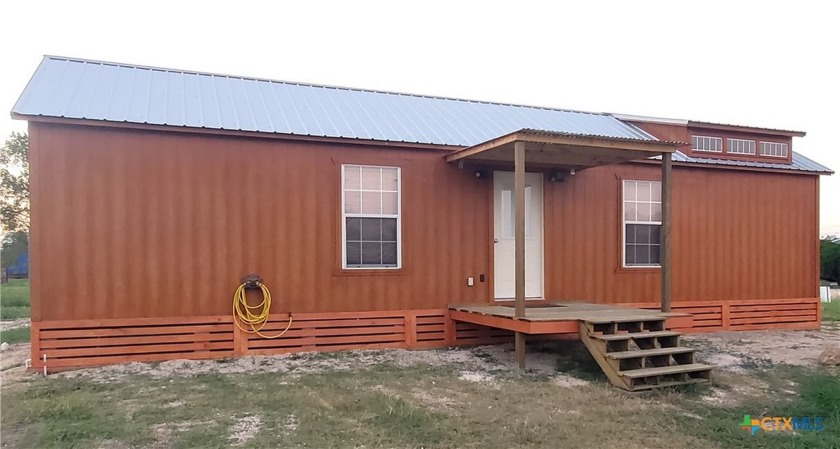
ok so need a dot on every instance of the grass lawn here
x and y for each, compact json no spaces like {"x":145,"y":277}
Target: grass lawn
{"x":14,"y":299}
{"x":831,"y":310}
{"x":18,"y":335}
{"x":420,"y":405}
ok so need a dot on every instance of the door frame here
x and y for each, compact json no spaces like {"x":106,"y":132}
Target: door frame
{"x":491,"y":220}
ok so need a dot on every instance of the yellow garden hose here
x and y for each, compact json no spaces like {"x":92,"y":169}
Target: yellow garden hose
{"x":254,"y":317}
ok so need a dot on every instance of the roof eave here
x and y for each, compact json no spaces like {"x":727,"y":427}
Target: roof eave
{"x":725,"y":127}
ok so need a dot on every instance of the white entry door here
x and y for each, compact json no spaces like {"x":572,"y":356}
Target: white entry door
{"x":504,"y":251}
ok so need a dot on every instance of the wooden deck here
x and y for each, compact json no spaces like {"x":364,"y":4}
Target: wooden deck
{"x":559,"y":317}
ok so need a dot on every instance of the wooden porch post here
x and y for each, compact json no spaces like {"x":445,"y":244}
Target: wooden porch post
{"x":665,"y":235}
{"x":519,"y":244}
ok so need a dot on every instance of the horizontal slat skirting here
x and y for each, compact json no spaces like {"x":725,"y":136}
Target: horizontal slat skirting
{"x":329,"y":348}
{"x":124,"y":341}
{"x":134,"y":331}
{"x":140,"y":349}
{"x":81,"y":343}
{"x":79,"y":362}
{"x":330,"y":331}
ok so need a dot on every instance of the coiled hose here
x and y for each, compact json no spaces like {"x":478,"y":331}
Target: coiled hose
{"x":252,"y":319}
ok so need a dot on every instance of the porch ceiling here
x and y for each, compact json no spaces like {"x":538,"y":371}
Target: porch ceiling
{"x":562,"y":150}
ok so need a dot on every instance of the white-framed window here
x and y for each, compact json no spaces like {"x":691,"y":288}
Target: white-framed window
{"x":705,"y":143}
{"x":370,"y":225}
{"x":641,"y":223}
{"x":775,"y":149}
{"x":740,"y":146}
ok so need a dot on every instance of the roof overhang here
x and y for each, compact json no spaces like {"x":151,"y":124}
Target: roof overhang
{"x":562,"y":150}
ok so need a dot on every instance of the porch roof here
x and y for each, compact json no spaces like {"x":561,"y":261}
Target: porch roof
{"x":563,"y":150}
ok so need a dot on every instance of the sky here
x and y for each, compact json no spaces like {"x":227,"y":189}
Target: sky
{"x":767,"y":64}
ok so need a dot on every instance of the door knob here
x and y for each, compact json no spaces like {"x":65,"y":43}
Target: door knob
{"x":495,"y":240}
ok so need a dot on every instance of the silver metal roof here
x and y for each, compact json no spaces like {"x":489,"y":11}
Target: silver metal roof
{"x":800,"y":163}
{"x":94,"y":90}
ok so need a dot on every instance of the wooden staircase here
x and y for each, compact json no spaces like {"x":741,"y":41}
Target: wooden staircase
{"x":637,"y":353}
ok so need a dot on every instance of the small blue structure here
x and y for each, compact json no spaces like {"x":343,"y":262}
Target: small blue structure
{"x":19,"y":269}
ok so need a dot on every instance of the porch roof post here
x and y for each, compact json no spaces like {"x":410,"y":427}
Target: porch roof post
{"x":519,"y":244}
{"x":665,"y":234}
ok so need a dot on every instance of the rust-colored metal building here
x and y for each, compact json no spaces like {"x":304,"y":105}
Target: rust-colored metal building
{"x":370,"y":215}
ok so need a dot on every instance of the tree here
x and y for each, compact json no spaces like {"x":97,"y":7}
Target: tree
{"x":14,"y":183}
{"x":830,"y":259}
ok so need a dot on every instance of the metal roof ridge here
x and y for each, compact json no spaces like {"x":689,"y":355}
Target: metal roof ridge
{"x":321,"y":86}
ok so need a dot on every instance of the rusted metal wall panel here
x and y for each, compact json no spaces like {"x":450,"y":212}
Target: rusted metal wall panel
{"x":736,"y":235}
{"x":144,"y":224}
{"x":135,"y":223}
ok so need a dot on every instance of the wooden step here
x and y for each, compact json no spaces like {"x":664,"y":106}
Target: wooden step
{"x":629,"y":335}
{"x":648,"y":352}
{"x":664,"y":370}
{"x":625,"y":319}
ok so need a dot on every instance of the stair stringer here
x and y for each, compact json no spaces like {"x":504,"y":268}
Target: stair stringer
{"x":598,"y":349}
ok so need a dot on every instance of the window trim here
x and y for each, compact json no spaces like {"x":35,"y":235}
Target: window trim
{"x":624,"y":224}
{"x":784,"y":146}
{"x":703,"y":150}
{"x":345,"y":215}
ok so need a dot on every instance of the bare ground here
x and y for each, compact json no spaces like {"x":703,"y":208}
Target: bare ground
{"x":734,"y":352}
{"x":739,"y":351}
{"x":14,"y":324}
{"x":481,"y":373}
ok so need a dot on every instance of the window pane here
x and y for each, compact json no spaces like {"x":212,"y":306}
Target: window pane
{"x":390,"y":180}
{"x":389,"y":229}
{"x":352,"y":201}
{"x":630,"y":254}
{"x":629,"y":190}
{"x":656,"y":191}
{"x":656,"y":212}
{"x":371,"y":253}
{"x":630,"y":233}
{"x":354,"y":229}
{"x":643,"y":191}
{"x":389,"y":202}
{"x":371,"y":178}
{"x":630,"y":211}
{"x":371,"y":203}
{"x":644,"y":212}
{"x":389,"y":254}
{"x":642,"y":234}
{"x":654,"y":233}
{"x":654,"y":254}
{"x":352,"y":177}
{"x":371,"y":229}
{"x":354,"y":253}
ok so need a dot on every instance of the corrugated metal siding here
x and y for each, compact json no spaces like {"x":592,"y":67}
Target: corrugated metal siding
{"x":145,"y":224}
{"x":736,"y":236}
{"x":80,"y":89}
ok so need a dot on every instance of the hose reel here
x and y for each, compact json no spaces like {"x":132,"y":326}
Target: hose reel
{"x":252,"y":319}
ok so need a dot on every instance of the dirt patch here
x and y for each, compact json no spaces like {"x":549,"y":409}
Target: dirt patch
{"x":478,"y":364}
{"x":475,"y":376}
{"x":568,"y":381}
{"x":741,"y":351}
{"x":12,"y":363}
{"x":14,"y":324}
{"x":245,"y":429}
